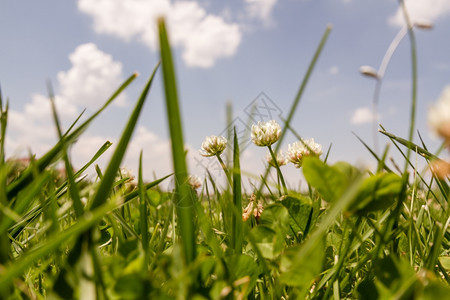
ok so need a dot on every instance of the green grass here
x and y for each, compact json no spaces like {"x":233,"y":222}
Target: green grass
{"x":379,"y":234}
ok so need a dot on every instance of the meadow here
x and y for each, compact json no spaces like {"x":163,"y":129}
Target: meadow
{"x":368,"y":234}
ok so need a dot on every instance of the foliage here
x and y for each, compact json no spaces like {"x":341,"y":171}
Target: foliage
{"x":354,"y":234}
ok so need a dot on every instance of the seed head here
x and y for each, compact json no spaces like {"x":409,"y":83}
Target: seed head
{"x":213,"y":145}
{"x":368,"y":71}
{"x":424,"y":24}
{"x":298,"y":150}
{"x":266,"y":133}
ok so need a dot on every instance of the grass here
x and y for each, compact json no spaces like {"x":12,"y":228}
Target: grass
{"x":380,"y":234}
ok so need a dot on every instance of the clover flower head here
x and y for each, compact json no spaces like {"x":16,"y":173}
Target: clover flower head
{"x":213,"y":145}
{"x":131,"y":182}
{"x":439,"y":115}
{"x":281,"y":159}
{"x":298,"y":150}
{"x":194,"y":182}
{"x":266,"y":133}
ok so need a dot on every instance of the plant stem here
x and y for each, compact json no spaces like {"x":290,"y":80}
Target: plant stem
{"x":225,"y":169}
{"x":412,"y":39}
{"x":280,"y":175}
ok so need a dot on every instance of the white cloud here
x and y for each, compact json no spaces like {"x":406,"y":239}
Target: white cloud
{"x":203,"y":37}
{"x":363,"y":115}
{"x":418,"y":10}
{"x":90,"y":81}
{"x":261,"y":9}
{"x":333,"y":70}
{"x":93,"y":78}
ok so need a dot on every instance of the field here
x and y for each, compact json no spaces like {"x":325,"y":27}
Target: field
{"x":368,"y":234}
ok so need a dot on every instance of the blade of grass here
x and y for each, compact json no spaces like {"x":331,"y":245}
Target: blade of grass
{"x":183,"y":192}
{"x":237,"y":225}
{"x":412,"y":39}
{"x":73,"y":189}
{"x":107,"y":182}
{"x":143,"y":217}
{"x":373,"y":153}
{"x":51,"y":244}
{"x":309,"y":71}
{"x":410,"y":146}
{"x":53,"y":153}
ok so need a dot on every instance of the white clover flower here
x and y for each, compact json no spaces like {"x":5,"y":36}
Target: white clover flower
{"x":439,"y":115}
{"x":131,"y":182}
{"x":213,"y":145}
{"x":194,"y":182}
{"x":298,"y":150}
{"x":266,"y":133}
{"x":281,"y":159}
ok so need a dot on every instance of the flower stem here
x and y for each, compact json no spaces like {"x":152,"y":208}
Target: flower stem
{"x":280,"y":175}
{"x":225,"y":169}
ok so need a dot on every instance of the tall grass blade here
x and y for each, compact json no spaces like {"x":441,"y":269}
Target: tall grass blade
{"x":237,"y":224}
{"x":413,"y":47}
{"x":55,"y":152}
{"x":51,"y":244}
{"x":73,"y":189}
{"x":143,"y":217}
{"x":183,"y":193}
{"x":107,"y":182}
{"x":410,"y":146}
{"x":293,"y":108}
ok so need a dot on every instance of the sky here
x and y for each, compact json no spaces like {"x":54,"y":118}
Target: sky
{"x":244,"y":52}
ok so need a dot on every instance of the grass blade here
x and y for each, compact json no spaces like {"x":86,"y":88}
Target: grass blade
{"x":54,"y":153}
{"x":183,"y":192}
{"x":106,"y":184}
{"x":309,"y":71}
{"x":237,"y":224}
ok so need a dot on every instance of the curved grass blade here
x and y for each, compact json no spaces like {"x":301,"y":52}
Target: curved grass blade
{"x":51,"y":244}
{"x":305,"y":80}
{"x":410,"y":145}
{"x":106,"y":184}
{"x":53,"y":154}
{"x":73,"y":189}
{"x":183,"y":193}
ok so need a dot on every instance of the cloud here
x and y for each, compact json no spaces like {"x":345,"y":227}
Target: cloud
{"x":418,"y":10}
{"x":261,"y":9}
{"x":93,"y":78}
{"x":363,"y":115}
{"x":204,"y":38}
{"x":333,"y":70}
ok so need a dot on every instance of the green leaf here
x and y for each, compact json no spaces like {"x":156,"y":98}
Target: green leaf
{"x":445,"y":261}
{"x":329,"y":181}
{"x":299,"y":209}
{"x":242,"y":266}
{"x":299,"y":268}
{"x":377,"y":192}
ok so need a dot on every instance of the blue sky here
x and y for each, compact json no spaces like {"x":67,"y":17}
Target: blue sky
{"x":224,"y":51}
